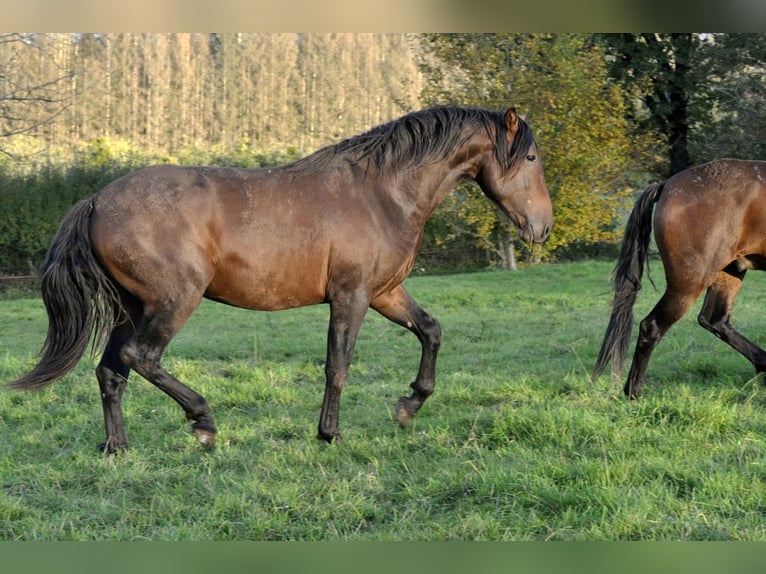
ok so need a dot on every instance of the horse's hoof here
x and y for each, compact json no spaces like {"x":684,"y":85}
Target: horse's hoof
{"x":205,"y":437}
{"x":404,"y":413}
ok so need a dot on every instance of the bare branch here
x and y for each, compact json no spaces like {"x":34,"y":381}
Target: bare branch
{"x":26,"y":104}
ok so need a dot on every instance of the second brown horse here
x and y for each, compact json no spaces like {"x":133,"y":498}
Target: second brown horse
{"x":710,"y":229}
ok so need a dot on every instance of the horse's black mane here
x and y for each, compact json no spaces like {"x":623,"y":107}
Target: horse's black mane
{"x":421,"y":137}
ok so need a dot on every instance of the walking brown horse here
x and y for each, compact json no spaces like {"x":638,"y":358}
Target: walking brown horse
{"x":342,"y":226}
{"x":710,"y":228}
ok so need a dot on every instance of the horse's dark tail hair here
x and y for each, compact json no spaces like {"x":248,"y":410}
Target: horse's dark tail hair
{"x":81,"y":300}
{"x":628,"y":272}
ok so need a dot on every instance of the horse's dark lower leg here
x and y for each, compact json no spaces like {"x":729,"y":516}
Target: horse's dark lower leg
{"x":145,"y":360}
{"x":401,"y":308}
{"x":669,"y":309}
{"x":346,"y":314}
{"x":112,"y":374}
{"x":715,"y":316}
{"x":648,"y":338}
{"x":143,"y":354}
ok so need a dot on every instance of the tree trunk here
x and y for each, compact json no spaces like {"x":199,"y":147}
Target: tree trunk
{"x":679,"y":102}
{"x":506,"y":250}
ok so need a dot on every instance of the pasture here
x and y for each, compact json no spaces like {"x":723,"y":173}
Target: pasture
{"x":515,"y":444}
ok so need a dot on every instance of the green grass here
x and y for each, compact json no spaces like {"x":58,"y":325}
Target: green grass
{"x":515,"y":444}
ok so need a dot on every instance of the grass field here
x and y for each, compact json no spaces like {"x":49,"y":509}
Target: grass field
{"x":515,"y":444}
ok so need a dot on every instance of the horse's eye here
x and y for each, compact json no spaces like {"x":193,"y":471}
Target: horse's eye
{"x":531,"y":158}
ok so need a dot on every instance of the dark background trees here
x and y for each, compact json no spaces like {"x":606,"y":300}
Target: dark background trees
{"x":698,"y":92}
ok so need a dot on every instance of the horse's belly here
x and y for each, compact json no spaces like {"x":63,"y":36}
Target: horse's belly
{"x":282,"y":286}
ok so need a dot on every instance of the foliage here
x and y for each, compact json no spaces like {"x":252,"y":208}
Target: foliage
{"x":35,"y":195}
{"x":701,"y":92}
{"x":736,"y":65}
{"x":663,"y":65}
{"x":515,"y":444}
{"x":592,"y":158}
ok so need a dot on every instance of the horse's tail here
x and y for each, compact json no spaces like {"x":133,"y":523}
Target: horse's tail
{"x":79,"y":297}
{"x":634,"y":254}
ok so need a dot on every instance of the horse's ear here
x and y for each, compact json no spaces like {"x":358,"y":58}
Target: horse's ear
{"x":511,"y":122}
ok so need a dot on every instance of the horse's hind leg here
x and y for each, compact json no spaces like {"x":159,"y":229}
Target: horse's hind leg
{"x":401,"y":308}
{"x":715,"y":316}
{"x":143,"y":353}
{"x":669,"y":309}
{"x":112,"y":374}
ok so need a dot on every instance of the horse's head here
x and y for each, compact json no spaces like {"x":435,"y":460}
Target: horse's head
{"x":511,"y":175}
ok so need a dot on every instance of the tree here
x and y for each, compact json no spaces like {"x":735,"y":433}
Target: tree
{"x":690,"y":85}
{"x":733,"y":123}
{"x":349,"y":83}
{"x":30,"y":101}
{"x":592,"y":161}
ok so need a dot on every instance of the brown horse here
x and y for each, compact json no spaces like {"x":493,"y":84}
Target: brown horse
{"x":341,"y":226}
{"x":710,"y":228}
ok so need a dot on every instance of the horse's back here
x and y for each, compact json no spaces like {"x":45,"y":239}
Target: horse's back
{"x":719,"y":193}
{"x":711,"y":215}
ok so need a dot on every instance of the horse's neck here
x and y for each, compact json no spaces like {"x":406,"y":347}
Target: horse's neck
{"x":419,"y":192}
{"x":428,"y":186}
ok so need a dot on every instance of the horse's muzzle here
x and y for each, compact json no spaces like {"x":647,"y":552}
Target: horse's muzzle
{"x":531,"y":233}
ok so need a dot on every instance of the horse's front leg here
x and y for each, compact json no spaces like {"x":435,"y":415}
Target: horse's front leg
{"x":398,"y":306}
{"x":347,"y":311}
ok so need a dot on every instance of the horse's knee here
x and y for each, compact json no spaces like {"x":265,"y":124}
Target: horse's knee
{"x":141,"y":362}
{"x":708,"y":321}
{"x":129,"y":355}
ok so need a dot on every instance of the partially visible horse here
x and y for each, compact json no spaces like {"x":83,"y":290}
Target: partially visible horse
{"x":342,"y":226}
{"x":710,"y":229}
